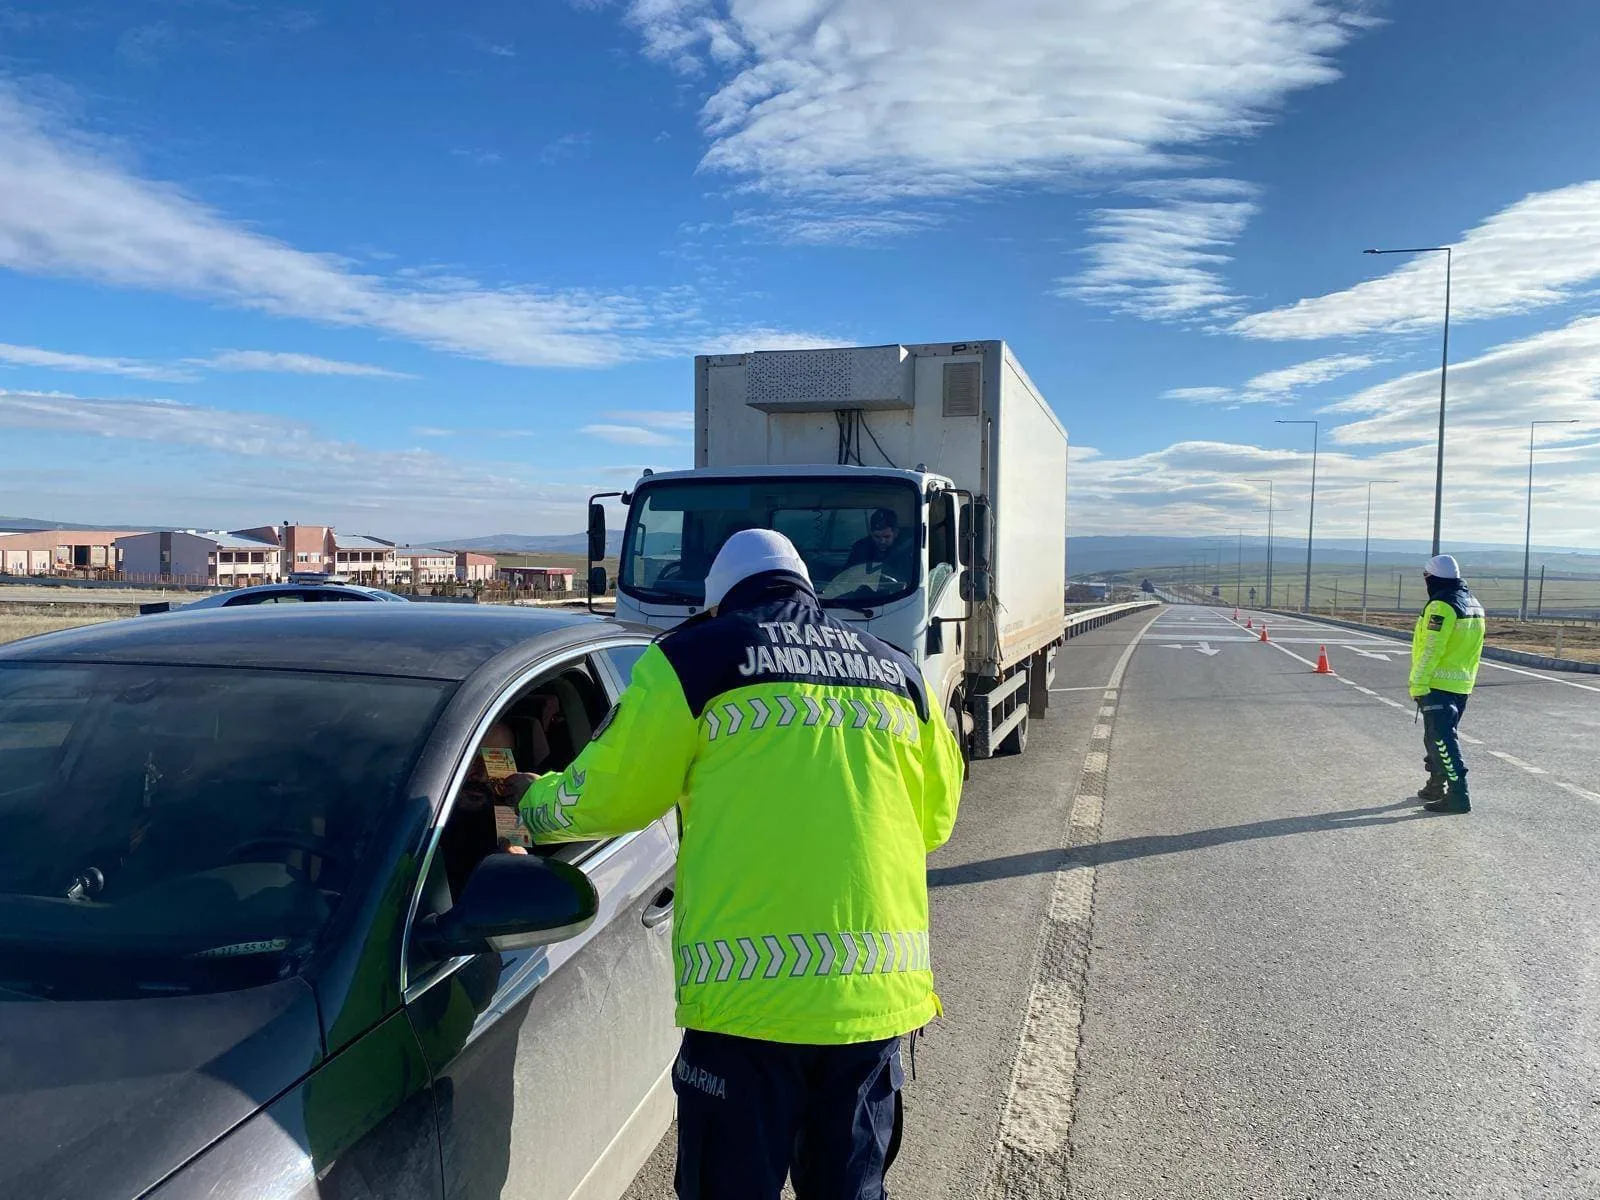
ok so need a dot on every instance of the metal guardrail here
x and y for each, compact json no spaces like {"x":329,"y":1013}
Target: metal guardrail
{"x":1096,"y":617}
{"x":1523,"y":658}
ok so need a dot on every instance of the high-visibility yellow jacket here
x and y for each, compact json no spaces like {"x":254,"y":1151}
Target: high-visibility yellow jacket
{"x":1447,"y":642}
{"x":813,"y":774}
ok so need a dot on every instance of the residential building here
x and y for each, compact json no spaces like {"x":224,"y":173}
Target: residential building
{"x":472,"y":567}
{"x":306,"y":548}
{"x":59,"y":551}
{"x":427,"y":565}
{"x":540,"y":579}
{"x":190,"y":556}
{"x":366,"y":560}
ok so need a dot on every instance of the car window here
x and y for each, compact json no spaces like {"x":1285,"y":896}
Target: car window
{"x":187,"y":828}
{"x":262,"y":598}
{"x":622,"y":660}
{"x":542,"y":728}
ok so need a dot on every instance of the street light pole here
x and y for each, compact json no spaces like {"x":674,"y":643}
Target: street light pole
{"x":1311,"y":520}
{"x":1268,"y":482}
{"x":1444,"y":367}
{"x":1527,"y":540}
{"x":1366,"y":554}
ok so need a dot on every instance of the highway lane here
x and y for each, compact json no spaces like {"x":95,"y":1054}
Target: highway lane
{"x":1298,"y":983}
{"x":986,"y":921}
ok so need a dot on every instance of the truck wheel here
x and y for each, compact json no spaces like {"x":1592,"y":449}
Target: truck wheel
{"x":952,"y":718}
{"x":1016,"y":741}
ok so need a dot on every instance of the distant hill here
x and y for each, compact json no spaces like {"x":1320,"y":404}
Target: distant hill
{"x":527,"y":543}
{"x":33,"y":525}
{"x":1101,"y":554}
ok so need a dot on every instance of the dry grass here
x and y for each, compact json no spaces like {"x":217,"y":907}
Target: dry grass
{"x":1581,"y":642}
{"x":14,"y":626}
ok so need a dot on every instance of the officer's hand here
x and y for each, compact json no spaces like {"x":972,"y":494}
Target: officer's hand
{"x":513,"y":787}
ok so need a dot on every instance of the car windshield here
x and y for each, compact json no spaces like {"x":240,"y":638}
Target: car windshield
{"x":187,"y":828}
{"x":860,"y":539}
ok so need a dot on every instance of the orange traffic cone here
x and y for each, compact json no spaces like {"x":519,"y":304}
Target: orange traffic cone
{"x":1322,"y":662}
{"x":1250,"y":623}
{"x":1236,"y":614}
{"x":1264,"y":636}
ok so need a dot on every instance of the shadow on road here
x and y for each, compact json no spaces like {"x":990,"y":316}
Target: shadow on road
{"x":1099,"y":853}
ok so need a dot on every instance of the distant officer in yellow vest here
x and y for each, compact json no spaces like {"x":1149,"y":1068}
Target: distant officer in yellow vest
{"x":813,"y":774}
{"x":1445,"y":649}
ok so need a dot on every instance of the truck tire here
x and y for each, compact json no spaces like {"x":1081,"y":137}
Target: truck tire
{"x":1016,"y":741}
{"x":952,"y":718}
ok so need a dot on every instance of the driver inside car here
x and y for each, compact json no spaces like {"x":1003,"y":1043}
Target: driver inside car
{"x":884,"y":548}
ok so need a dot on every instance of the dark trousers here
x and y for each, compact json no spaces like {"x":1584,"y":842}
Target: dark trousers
{"x":750,"y":1113}
{"x":1441,"y":713}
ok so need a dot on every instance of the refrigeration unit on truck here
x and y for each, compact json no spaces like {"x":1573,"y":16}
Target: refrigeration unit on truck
{"x":926,"y":488}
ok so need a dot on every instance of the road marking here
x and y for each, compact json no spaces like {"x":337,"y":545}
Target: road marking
{"x":1469,"y":739}
{"x":1576,"y":790}
{"x":1517,"y":762}
{"x":1109,"y":710}
{"x":1037,"y":1115}
{"x":1381,"y":657}
{"x":1078,"y":689}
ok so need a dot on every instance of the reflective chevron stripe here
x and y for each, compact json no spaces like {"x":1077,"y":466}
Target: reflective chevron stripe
{"x":551,"y":817}
{"x":757,"y":957}
{"x":724,"y":719}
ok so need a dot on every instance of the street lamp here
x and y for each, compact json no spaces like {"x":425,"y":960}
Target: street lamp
{"x":1366,"y":554}
{"x":1268,"y":482}
{"x":1444,"y":366}
{"x":1527,"y":543}
{"x":1311,"y":520}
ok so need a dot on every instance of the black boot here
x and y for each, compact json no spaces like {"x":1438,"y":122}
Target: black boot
{"x":1433,"y":790}
{"x":1455,"y":800}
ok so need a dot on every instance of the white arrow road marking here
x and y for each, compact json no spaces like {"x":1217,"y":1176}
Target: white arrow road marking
{"x":776,"y":955}
{"x":802,"y":949}
{"x":1205,"y":648}
{"x":826,"y":942}
{"x":735,"y":716}
{"x":725,"y":957}
{"x":704,"y":955}
{"x":1380,"y":656}
{"x":748,"y":949}
{"x":788,"y":711}
{"x":851,"y":953}
{"x":759,"y":707}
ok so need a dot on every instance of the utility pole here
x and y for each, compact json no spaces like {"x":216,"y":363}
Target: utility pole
{"x":1311,"y":519}
{"x":1527,"y":542}
{"x":1366,"y":554}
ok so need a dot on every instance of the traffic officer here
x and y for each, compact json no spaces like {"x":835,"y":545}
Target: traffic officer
{"x":1445,"y":649}
{"x":813,"y":773}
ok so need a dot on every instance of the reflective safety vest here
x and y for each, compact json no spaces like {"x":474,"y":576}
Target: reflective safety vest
{"x":1447,"y":643}
{"x":813,"y":774}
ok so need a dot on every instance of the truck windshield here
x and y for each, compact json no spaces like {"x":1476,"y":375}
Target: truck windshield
{"x":860,"y":539}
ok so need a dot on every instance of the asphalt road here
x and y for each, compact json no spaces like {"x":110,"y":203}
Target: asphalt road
{"x":1200,"y":940}
{"x":986,"y":922}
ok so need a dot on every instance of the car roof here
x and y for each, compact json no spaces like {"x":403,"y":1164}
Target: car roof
{"x":433,"y":641}
{"x":296,"y":585}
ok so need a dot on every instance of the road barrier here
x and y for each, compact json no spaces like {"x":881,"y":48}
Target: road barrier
{"x":1095,"y":617}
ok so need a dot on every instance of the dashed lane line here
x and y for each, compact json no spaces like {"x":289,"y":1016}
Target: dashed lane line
{"x":1030,"y":1154}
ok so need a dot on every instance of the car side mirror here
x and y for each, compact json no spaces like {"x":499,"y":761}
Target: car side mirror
{"x":598,"y":581}
{"x":512,"y":902}
{"x":934,"y":643}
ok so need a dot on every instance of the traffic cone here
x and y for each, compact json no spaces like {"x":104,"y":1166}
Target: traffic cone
{"x":1236,"y":614}
{"x":1322,"y":662}
{"x":1264,"y":636}
{"x":1250,"y":623}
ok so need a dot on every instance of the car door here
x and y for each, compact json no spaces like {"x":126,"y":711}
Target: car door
{"x":550,"y":1065}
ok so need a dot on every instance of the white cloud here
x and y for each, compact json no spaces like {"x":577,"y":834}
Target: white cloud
{"x":1275,"y":387}
{"x":54,"y":360}
{"x":679,"y":419}
{"x":70,"y":208}
{"x":270,"y":458}
{"x":1539,"y":251}
{"x":293,"y":364}
{"x":1164,"y":261}
{"x":872,"y":99}
{"x":432,"y":431}
{"x":630,"y":435}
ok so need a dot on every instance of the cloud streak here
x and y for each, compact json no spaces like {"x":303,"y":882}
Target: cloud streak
{"x":293,"y":364}
{"x":1275,"y":387}
{"x":1540,"y":251}
{"x":55,"y":360}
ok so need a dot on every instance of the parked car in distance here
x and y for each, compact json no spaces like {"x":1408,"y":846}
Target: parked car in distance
{"x":261,"y":934}
{"x":298,"y":589}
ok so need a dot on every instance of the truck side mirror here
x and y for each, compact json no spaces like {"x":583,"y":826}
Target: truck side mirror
{"x":976,"y":586}
{"x":982,"y":535}
{"x":597,"y":581}
{"x":597,"y":532}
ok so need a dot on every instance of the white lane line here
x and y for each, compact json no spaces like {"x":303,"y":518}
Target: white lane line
{"x":1592,"y":797}
{"x":1101,"y":688}
{"x":1517,"y":762}
{"x":1037,"y":1116}
{"x":1469,"y":739}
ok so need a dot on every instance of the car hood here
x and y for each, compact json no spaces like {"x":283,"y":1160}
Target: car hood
{"x":104,"y":1099}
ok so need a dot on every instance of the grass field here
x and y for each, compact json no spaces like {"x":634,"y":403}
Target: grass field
{"x":20,"y":625}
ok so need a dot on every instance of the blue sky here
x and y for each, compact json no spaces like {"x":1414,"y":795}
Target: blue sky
{"x":429,"y":270}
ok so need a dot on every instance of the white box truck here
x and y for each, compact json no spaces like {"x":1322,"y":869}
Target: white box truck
{"x":926,"y":488}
